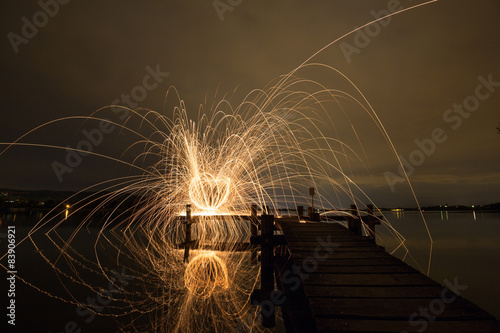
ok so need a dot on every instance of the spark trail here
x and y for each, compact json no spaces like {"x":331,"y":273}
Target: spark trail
{"x":267,"y":150}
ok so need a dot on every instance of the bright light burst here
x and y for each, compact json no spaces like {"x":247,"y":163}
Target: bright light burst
{"x":206,"y":275}
{"x":266,"y":151}
{"x":294,"y":134}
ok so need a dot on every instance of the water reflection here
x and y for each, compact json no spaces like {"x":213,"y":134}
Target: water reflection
{"x":28,"y":216}
{"x":66,"y":212}
{"x":155,"y":277}
{"x":460,"y":249}
{"x":400,"y":213}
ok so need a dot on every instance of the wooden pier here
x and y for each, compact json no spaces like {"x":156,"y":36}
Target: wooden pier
{"x":335,"y":280}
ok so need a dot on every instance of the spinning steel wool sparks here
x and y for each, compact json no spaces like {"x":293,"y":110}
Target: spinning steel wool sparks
{"x":205,"y":275}
{"x":267,"y":150}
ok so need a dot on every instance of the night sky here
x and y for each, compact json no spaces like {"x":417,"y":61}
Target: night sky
{"x":413,"y":69}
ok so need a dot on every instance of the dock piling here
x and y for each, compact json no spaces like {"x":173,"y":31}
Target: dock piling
{"x":354,"y":223}
{"x":254,"y":221}
{"x":300,"y":211}
{"x":371,"y":221}
{"x":188,"y":233}
{"x":267,"y":267}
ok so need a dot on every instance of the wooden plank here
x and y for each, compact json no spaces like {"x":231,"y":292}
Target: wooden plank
{"x":366,"y":269}
{"x":320,"y":233}
{"x":343,"y":279}
{"x":343,"y":243}
{"x":370,"y":292}
{"x":321,"y":249}
{"x":360,"y":288}
{"x":326,"y":325}
{"x":308,"y":237}
{"x":389,"y":261}
{"x":308,"y":225}
{"x":348,"y":255}
{"x":310,"y":228}
{"x":394,"y":309}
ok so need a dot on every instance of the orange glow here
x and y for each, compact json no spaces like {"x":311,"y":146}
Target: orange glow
{"x":206,"y":275}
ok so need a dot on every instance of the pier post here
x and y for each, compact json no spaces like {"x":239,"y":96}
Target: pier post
{"x":253,"y":231}
{"x":267,"y":267}
{"x":300,"y":211}
{"x":371,"y":221}
{"x":264,"y":297}
{"x":369,"y":212}
{"x":187,"y":242}
{"x":354,"y":223}
{"x":311,"y":193}
{"x":253,"y":220}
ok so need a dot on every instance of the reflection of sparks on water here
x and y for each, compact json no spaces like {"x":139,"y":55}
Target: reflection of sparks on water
{"x":205,"y":275}
{"x":66,"y":212}
{"x":266,"y":151}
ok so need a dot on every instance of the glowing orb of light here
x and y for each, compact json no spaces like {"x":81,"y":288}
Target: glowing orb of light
{"x":206,"y":275}
{"x":208,"y":192}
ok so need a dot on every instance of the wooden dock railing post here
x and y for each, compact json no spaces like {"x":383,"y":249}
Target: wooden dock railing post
{"x":254,"y":221}
{"x":371,"y":221}
{"x":187,"y":243}
{"x":354,"y":222}
{"x":267,"y":240}
{"x":369,"y":212}
{"x":300,"y":211}
{"x":267,"y":266}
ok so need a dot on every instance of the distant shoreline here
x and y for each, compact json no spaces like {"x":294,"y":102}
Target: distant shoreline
{"x":48,"y":199}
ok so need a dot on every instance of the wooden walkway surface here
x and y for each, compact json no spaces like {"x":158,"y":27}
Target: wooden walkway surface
{"x":349,"y":284}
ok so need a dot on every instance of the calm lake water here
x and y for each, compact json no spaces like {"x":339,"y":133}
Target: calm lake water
{"x":466,"y":246}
